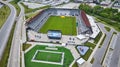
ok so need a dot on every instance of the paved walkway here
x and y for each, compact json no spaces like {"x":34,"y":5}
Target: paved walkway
{"x":64,"y":39}
{"x":74,"y":52}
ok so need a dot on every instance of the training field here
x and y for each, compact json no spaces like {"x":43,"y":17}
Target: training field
{"x":39,"y":56}
{"x":48,"y":56}
{"x":66,"y":24}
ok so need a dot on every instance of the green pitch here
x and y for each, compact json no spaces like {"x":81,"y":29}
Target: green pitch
{"x":67,"y":25}
{"x":68,"y":58}
{"x":47,"y":56}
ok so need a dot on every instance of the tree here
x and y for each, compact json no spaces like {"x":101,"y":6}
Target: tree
{"x":97,"y":9}
{"x":86,"y":8}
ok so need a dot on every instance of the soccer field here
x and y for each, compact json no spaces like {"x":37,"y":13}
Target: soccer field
{"x":67,"y":25}
{"x":48,"y":56}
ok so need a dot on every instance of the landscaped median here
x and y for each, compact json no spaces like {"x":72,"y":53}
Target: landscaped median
{"x":96,"y":40}
{"x":4,"y":13}
{"x":107,"y":28}
{"x":102,"y":41}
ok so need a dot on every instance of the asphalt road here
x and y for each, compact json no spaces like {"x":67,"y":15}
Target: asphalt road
{"x":116,"y":53}
{"x":101,"y":51}
{"x":14,"y":57}
{"x":6,"y":28}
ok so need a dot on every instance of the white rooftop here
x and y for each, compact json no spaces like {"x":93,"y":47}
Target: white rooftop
{"x":33,"y":5}
{"x":69,"y":6}
{"x":94,"y":26}
{"x":80,"y":61}
{"x":81,"y":36}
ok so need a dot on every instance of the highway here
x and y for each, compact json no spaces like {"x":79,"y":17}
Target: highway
{"x":6,"y":28}
{"x":14,"y":57}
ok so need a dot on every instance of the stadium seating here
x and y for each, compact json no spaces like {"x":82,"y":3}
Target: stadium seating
{"x":38,"y":21}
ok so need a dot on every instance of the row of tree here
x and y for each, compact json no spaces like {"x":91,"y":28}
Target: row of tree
{"x":108,"y":13}
{"x":16,"y":1}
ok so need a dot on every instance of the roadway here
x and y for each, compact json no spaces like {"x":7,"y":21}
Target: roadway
{"x":6,"y":28}
{"x":14,"y":57}
{"x":116,"y":53}
{"x":111,"y":4}
{"x":101,"y":51}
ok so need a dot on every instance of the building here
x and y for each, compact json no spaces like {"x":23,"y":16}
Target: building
{"x":83,"y":0}
{"x":54,"y":34}
{"x":117,"y":3}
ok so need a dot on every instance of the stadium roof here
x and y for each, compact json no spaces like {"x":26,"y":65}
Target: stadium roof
{"x":69,"y":6}
{"x":85,"y":19}
{"x":94,"y":27}
{"x":81,"y":37}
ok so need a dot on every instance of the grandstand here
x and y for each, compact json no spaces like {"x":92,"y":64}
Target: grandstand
{"x":39,"y":20}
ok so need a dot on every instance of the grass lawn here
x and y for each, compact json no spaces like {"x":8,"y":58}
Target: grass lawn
{"x":68,"y":58}
{"x":67,"y":25}
{"x":4,"y":13}
{"x":90,"y":45}
{"x":98,"y":37}
{"x":29,"y":16}
{"x":25,"y":46}
{"x":75,"y":64}
{"x":87,"y":55}
{"x":47,"y":56}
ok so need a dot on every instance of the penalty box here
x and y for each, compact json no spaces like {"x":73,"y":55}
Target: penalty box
{"x":49,"y":57}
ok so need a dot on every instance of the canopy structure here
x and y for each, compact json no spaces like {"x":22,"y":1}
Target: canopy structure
{"x":80,"y":61}
{"x":81,"y":37}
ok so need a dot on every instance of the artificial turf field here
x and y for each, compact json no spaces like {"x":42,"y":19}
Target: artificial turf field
{"x":68,"y":58}
{"x":66,"y":25}
{"x":47,"y":56}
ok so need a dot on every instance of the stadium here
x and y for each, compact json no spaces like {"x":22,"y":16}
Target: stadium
{"x":70,"y":23}
{"x":52,"y":32}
